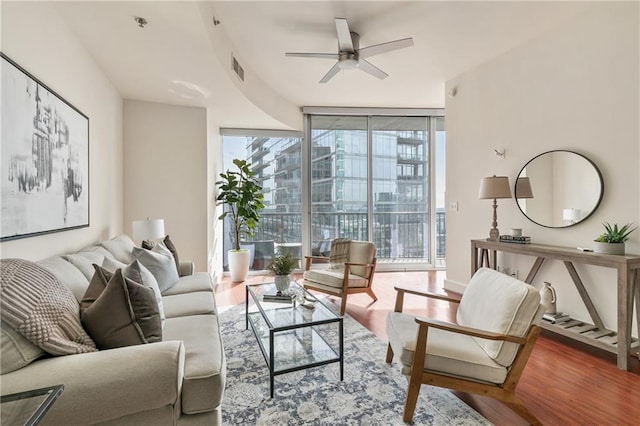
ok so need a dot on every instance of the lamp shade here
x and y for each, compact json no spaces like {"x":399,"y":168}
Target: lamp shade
{"x":523,"y":188}
{"x":571,"y":214}
{"x":148,"y":229}
{"x":494,"y":187}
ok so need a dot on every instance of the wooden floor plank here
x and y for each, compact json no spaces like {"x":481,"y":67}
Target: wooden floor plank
{"x":564,"y":383}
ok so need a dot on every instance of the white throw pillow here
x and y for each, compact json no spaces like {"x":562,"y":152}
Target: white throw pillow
{"x":112,"y":265}
{"x":159,"y":261}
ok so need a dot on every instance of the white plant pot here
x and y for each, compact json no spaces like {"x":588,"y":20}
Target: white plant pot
{"x":608,"y":248}
{"x":238,"y":264}
{"x":282,"y":282}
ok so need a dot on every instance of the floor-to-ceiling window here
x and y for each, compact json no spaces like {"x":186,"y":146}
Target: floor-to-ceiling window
{"x":276,"y":159}
{"x":373,"y":178}
{"x":368,"y":177}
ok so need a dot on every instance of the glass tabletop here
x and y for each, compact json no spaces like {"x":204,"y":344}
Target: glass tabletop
{"x":29,"y":407}
{"x":289,"y":314}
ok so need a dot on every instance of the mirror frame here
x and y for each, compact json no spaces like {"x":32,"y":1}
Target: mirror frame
{"x":595,"y":207}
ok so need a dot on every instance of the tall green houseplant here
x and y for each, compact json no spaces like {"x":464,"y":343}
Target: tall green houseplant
{"x":241,"y":192}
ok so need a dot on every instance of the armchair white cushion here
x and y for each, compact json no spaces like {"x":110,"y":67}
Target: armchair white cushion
{"x":501,"y":304}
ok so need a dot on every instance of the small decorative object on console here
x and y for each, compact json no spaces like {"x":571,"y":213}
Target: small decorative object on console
{"x":556,"y":318}
{"x":521,"y":239}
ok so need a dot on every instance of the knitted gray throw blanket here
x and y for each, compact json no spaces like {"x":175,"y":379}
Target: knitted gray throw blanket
{"x":39,"y":307}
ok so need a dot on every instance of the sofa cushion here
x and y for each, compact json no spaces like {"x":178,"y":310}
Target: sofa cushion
{"x":333,"y":278}
{"x":496,"y":302}
{"x":196,"y":303}
{"x":84,"y":260}
{"x":452,"y":353}
{"x":138,"y":273}
{"x":16,"y":351}
{"x":205,"y":367}
{"x":40,"y":308}
{"x":67,"y":274}
{"x":160,"y":262}
{"x":124,"y":314}
{"x":120,"y":247}
{"x":361,"y":252}
{"x":199,"y":281}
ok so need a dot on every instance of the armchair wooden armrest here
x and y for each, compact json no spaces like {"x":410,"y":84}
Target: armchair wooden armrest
{"x":308,"y":260}
{"x":400,"y":291}
{"x":469,"y":331}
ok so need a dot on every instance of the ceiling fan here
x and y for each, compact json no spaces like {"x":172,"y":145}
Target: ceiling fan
{"x":350,"y":56}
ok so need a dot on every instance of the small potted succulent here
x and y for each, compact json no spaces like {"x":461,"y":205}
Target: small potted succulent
{"x":282,"y":264}
{"x":613,"y":239}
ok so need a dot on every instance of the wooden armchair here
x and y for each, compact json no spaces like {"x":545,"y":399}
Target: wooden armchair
{"x":353,"y":274}
{"x":485,"y":353}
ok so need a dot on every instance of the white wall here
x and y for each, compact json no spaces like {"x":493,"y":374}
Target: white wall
{"x":166,"y":173}
{"x":38,"y":39}
{"x":575,"y":88}
{"x":214,"y":161}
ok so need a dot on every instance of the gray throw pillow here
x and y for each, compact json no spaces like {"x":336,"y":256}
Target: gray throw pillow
{"x":96,"y":286}
{"x":138,"y":273}
{"x":112,"y":265}
{"x":149,"y":245}
{"x":160,"y":262}
{"x":124,"y":314}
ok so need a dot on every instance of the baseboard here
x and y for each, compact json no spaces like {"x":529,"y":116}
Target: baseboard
{"x":456,"y":287}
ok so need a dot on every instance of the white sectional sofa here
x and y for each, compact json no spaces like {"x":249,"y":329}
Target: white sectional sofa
{"x":177,"y":381}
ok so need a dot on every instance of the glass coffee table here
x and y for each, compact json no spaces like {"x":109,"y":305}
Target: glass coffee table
{"x":293,"y":336}
{"x":29,"y":407}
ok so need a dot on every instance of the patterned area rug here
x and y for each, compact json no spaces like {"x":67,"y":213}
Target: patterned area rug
{"x":372,"y":392}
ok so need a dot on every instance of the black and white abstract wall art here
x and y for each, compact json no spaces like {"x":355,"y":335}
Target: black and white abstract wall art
{"x":44,"y":163}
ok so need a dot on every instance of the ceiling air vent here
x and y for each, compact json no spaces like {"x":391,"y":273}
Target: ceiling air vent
{"x":237,"y":68}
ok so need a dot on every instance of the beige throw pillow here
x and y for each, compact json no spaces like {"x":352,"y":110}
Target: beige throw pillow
{"x":39,"y":307}
{"x":17,"y":352}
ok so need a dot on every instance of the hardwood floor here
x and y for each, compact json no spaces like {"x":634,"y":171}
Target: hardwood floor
{"x":564,"y":383}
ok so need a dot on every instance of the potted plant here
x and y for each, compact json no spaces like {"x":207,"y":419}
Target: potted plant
{"x":241,"y":192}
{"x":613,"y":239}
{"x":282,"y":264}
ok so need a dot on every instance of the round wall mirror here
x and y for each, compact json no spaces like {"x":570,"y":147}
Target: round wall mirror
{"x":557,"y":189}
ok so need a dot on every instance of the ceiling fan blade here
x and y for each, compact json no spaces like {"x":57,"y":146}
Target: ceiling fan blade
{"x":313,"y":55}
{"x":345,"y":44}
{"x":369,"y":68}
{"x":333,"y":71}
{"x":376,"y":49}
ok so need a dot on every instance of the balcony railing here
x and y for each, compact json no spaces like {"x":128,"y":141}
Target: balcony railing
{"x":397,"y":235}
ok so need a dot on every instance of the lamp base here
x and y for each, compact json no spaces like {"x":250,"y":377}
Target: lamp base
{"x":494,"y":235}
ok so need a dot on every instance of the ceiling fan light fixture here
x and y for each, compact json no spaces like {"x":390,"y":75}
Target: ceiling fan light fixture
{"x":348,"y":64}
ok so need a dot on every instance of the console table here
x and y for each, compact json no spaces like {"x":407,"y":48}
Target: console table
{"x":484,"y":253}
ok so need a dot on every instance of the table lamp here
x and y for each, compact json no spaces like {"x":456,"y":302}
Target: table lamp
{"x":148,"y":229}
{"x":572,"y":215}
{"x":494,"y":187}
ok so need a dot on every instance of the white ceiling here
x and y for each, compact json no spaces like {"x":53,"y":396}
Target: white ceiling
{"x":172,"y":60}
